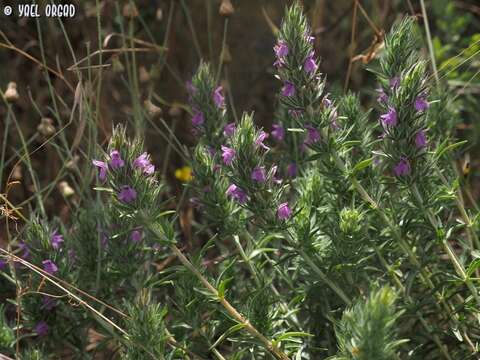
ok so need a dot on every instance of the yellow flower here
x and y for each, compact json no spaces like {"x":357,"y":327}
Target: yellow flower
{"x":184,"y":174}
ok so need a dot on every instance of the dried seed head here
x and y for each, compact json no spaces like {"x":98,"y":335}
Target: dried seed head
{"x":175,"y":110}
{"x":152,"y":109}
{"x":226,"y":8}
{"x":46,"y":127}
{"x":72,"y":163}
{"x":11,"y":94}
{"x":226,"y":56}
{"x":143,"y":75}
{"x":65,"y":189}
{"x":130,"y":11}
{"x":17,"y":173}
{"x":159,"y":14}
{"x":117,"y":65}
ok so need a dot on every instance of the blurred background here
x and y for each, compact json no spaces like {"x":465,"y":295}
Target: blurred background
{"x":66,"y":82}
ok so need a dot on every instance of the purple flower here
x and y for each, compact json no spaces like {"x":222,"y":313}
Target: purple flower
{"x":218,"y":98}
{"x":389,"y":119}
{"x":394,"y":82}
{"x":56,"y":240}
{"x":195,"y":201}
{"x":382,"y":97}
{"x":421,"y":139}
{"x":258,"y":174}
{"x":136,"y":236}
{"x":143,"y":162}
{"x":278,"y":132}
{"x":288,"y":89}
{"x":327,"y":102}
{"x":292,"y":170}
{"x":26,"y":251}
{"x":260,"y":139}
{"x":49,"y":267}
{"x":190,"y":88}
{"x":198,"y":119}
{"x":3,"y":264}
{"x":72,"y":256}
{"x":48,"y":303}
{"x":421,"y":103}
{"x":127,"y":194}
{"x":310,"y":66}
{"x":116,"y":161}
{"x":281,"y":49}
{"x":402,"y":168}
{"x":313,"y":135}
{"x":211,"y":151}
{"x":228,"y":154}
{"x":102,"y":167}
{"x":41,"y":328}
{"x":236,"y":193}
{"x":295,"y":113}
{"x":283,"y":211}
{"x":229,"y":129}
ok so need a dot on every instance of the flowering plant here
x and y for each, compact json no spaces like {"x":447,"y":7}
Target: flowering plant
{"x":333,"y":235}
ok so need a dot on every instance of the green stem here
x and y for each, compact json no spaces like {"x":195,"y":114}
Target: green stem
{"x":446,"y":246}
{"x":429,"y":41}
{"x":273,"y":349}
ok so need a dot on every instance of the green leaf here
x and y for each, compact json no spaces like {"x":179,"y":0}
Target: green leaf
{"x":230,"y":331}
{"x":110,"y":190}
{"x":259,"y":251}
{"x":362,"y":165}
{"x":289,"y":336}
{"x":474,"y":265}
{"x":443,"y":150}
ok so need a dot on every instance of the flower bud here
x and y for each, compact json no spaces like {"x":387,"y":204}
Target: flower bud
{"x":350,"y":221}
